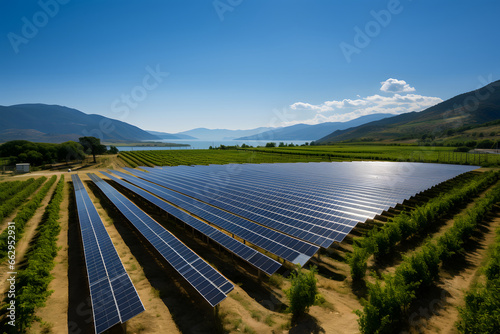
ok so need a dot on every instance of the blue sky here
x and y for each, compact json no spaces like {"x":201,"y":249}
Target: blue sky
{"x":239,"y":64}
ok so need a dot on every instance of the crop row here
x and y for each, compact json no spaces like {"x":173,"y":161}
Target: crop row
{"x":388,"y":303}
{"x":11,"y":188}
{"x":388,"y":153}
{"x":34,"y":279}
{"x":381,"y":241}
{"x":481,"y":313}
{"x":7,"y":207}
{"x":22,"y":217}
{"x":205,"y":157}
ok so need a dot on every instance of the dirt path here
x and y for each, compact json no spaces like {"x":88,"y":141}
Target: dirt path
{"x":23,"y":244}
{"x":456,"y":281}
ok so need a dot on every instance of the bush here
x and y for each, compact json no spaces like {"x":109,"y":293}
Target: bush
{"x":357,"y":262}
{"x":303,"y":292}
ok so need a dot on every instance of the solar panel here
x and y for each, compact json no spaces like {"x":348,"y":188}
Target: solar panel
{"x":252,"y":256}
{"x":205,"y":279}
{"x":284,"y":246}
{"x":113,"y":296}
{"x":305,"y":200}
{"x":241,"y":207}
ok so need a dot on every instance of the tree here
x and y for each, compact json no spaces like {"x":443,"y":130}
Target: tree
{"x":92,"y":146}
{"x":70,"y":150}
{"x":271,"y":144}
{"x":113,"y":150}
{"x":303,"y":292}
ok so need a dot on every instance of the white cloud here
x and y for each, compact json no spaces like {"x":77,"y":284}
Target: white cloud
{"x":396,"y":86}
{"x":347,"y":109}
{"x":329,"y":105}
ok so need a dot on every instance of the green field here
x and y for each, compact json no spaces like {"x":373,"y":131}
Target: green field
{"x":344,"y":152}
{"x":206,"y":157}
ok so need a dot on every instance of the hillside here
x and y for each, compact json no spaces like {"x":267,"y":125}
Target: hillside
{"x":55,"y":124}
{"x":165,"y":135}
{"x":468,"y":109}
{"x":312,"y":132}
{"x":221,"y":134}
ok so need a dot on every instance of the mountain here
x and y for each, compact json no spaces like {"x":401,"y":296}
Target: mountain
{"x":468,"y":109}
{"x":55,"y":124}
{"x":221,"y":134}
{"x":312,"y":132}
{"x":165,"y":135}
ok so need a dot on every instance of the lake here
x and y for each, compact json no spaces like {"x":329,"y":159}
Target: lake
{"x":205,"y":144}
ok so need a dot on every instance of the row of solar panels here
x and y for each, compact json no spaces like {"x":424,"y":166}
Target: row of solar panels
{"x":113,"y":296}
{"x":317,"y":202}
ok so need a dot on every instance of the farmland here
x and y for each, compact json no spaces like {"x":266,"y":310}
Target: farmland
{"x":341,"y":152}
{"x":449,"y":232}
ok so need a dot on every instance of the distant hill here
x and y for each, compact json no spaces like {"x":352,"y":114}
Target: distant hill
{"x":472,"y":108}
{"x":221,"y":134}
{"x":55,"y":124}
{"x":312,"y":132}
{"x":165,"y":135}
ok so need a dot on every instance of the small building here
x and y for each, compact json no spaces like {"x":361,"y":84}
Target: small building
{"x":23,"y":168}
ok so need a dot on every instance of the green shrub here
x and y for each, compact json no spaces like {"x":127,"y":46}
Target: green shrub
{"x":303,"y":291}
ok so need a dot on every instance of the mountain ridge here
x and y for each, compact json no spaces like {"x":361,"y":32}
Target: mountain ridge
{"x":49,"y":123}
{"x":475,"y":107}
{"x":303,"y":131}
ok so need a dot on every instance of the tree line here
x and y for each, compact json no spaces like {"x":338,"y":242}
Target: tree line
{"x":37,"y":154}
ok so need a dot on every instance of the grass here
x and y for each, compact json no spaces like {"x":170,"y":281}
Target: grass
{"x":322,"y":302}
{"x":269,"y":320}
{"x":276,"y":280}
{"x":236,"y":323}
{"x":248,"y":329}
{"x":236,"y":296}
{"x":256,"y":315}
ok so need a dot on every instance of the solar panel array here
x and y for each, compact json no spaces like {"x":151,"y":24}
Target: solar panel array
{"x":282,"y":245}
{"x":240,"y":249}
{"x":205,"y":279}
{"x":316,"y":202}
{"x":113,"y":296}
